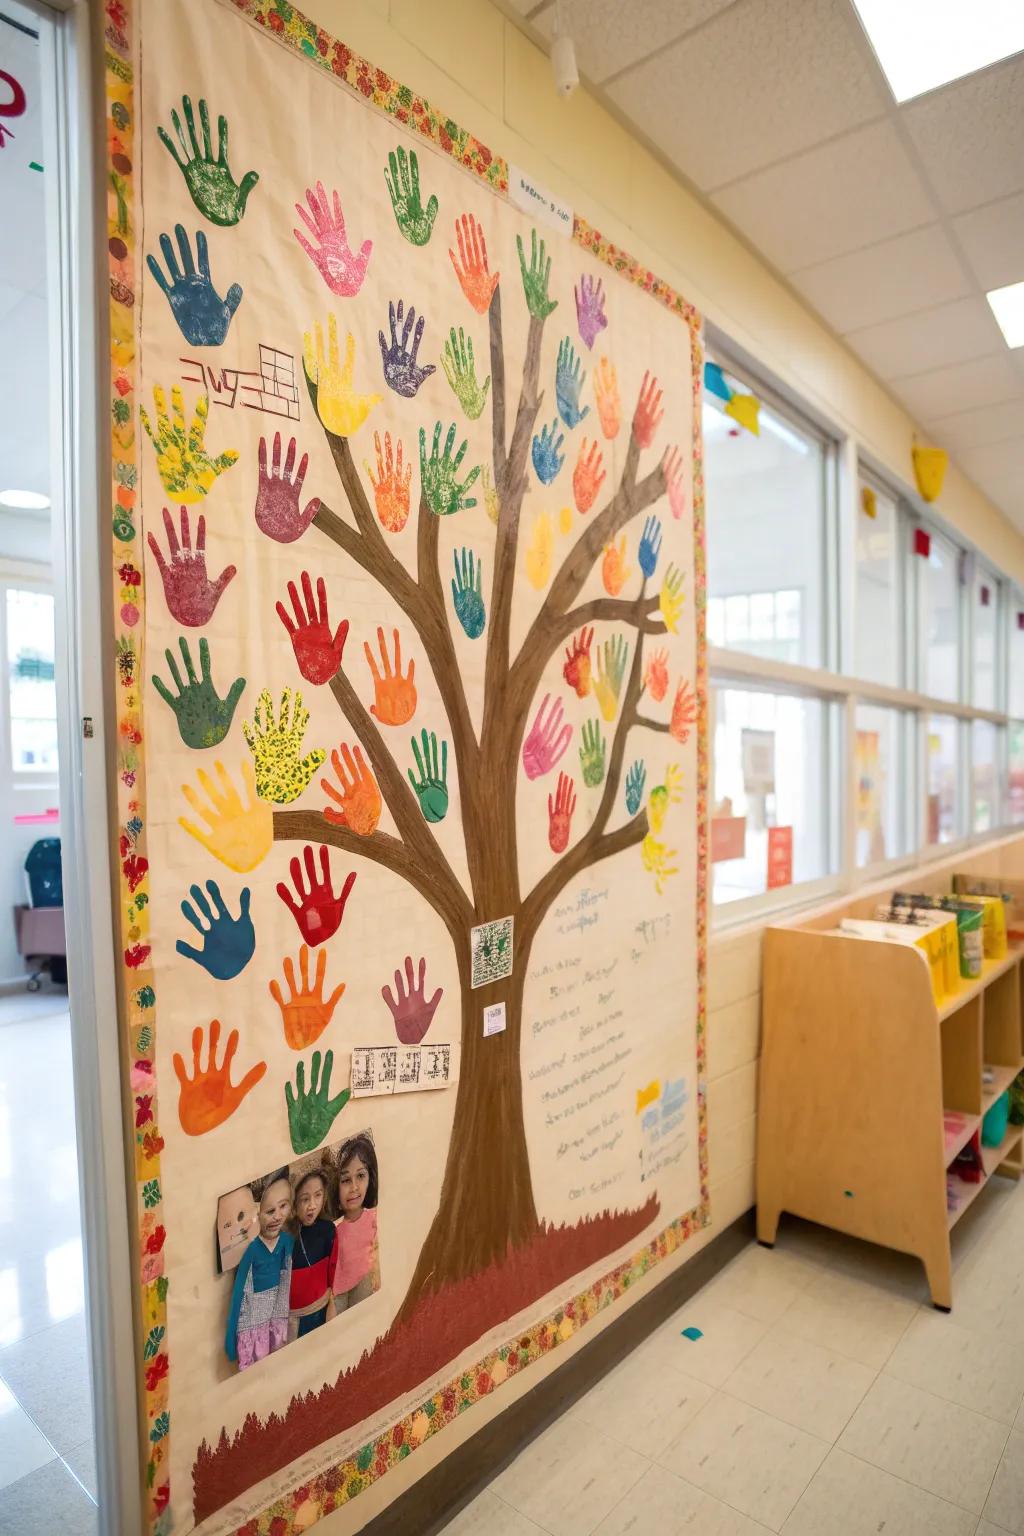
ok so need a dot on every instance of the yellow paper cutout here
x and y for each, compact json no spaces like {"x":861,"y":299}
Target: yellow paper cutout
{"x":745,"y":409}
{"x":930,"y":471}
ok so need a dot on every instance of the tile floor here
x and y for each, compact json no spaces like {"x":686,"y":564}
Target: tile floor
{"x":47,"y":1472}
{"x":826,"y":1397}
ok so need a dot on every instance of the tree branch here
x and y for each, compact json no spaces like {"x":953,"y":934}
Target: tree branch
{"x":497,"y":387}
{"x":652,"y":725}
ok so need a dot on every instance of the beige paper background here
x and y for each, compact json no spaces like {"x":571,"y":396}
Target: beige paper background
{"x":295,"y":125}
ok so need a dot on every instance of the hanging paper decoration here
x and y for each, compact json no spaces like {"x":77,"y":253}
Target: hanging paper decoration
{"x":868,"y":501}
{"x":986,"y":596}
{"x":930,"y":471}
{"x":922,"y":543}
{"x":714,"y":382}
{"x":967,"y":564}
{"x":745,"y":409}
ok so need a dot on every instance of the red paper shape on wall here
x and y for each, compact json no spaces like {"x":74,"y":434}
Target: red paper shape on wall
{"x":728,"y":838}
{"x":780,"y":857}
{"x":922,"y":542}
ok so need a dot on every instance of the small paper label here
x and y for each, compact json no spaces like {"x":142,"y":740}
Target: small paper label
{"x":383,"y":1069}
{"x":535,"y":200}
{"x":494,"y":1019}
{"x":490,"y":947}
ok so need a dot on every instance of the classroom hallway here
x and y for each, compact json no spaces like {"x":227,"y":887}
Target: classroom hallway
{"x":825,"y":1397}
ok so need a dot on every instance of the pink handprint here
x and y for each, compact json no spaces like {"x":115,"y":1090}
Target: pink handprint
{"x":340,"y":269}
{"x":547,"y":740}
{"x":318,"y":911}
{"x":672,"y":464}
{"x":590,"y":315}
{"x":317,"y":653}
{"x":647,"y":416}
{"x":191,"y":596}
{"x":560,"y":811}
{"x":278,"y":513}
{"x":410,"y":1009}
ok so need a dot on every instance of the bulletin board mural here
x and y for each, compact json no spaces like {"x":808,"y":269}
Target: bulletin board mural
{"x":408,"y":564}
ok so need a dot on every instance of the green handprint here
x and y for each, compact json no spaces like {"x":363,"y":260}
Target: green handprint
{"x":415,"y":222}
{"x":211,"y":185}
{"x":460,"y":371}
{"x":439,"y":475}
{"x":281,"y":775}
{"x":311,"y":1115}
{"x":185,"y":468}
{"x":432,"y":788}
{"x":536,"y":278}
{"x":592,"y":753}
{"x":203,"y":718}
{"x":611,"y":669}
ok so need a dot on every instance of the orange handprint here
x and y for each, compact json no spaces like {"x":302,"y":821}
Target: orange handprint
{"x":615,"y":570}
{"x":391,"y":487}
{"x":606,"y":392}
{"x":306,"y":1013}
{"x":656,"y":675}
{"x":648,"y":413}
{"x":394,"y":695}
{"x":684,"y":712}
{"x":359,"y":799}
{"x":476,"y":281}
{"x":588,"y":476}
{"x":209,"y":1097}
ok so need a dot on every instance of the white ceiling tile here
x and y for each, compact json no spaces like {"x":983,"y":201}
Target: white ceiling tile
{"x":610,"y":36}
{"x":885,"y":280}
{"x":931,"y":338}
{"x":978,"y":428}
{"x":764,"y":79}
{"x":971,"y":136}
{"x":945,"y":391}
{"x":835,"y":198}
{"x":993,"y":240}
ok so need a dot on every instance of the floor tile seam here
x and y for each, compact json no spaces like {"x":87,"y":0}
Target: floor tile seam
{"x":32,"y":1420}
{"x":917,"y":1487}
{"x":844,"y":1354}
{"x":953,"y":1402}
{"x":790,"y":1425}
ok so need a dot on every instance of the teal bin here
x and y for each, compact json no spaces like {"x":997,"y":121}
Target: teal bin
{"x":993,"y":1127}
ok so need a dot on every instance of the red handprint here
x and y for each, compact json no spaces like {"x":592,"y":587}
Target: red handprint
{"x":560,"y":811}
{"x":391,"y":487}
{"x":656,"y":675}
{"x":672,"y":464}
{"x":576,"y":669}
{"x":684,"y":713}
{"x":209,"y":1097}
{"x":190,"y":595}
{"x":342,"y":271}
{"x":477,"y":282}
{"x":588,"y":476}
{"x":278,"y":513}
{"x":547,"y":740}
{"x":358,"y":801}
{"x":647,"y":416}
{"x":317,"y":654}
{"x":410,"y":1009}
{"x":318,"y":912}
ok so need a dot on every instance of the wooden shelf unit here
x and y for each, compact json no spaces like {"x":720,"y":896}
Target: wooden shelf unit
{"x":858,"y":1064}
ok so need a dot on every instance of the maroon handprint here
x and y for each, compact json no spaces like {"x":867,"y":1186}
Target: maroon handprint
{"x":318,"y":653}
{"x":560,"y":811}
{"x":547,"y":740}
{"x":190,"y":595}
{"x":278,"y":513}
{"x":409,"y":1006}
{"x":317,"y":911}
{"x":340,"y":269}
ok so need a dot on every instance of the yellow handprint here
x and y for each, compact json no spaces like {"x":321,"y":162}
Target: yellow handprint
{"x":656,"y":858}
{"x":340,"y":409}
{"x":611,"y":669}
{"x":281,"y":775}
{"x":664,"y":795}
{"x":538,"y":553}
{"x":240,"y":835}
{"x":185,"y":468}
{"x":670,"y":599}
{"x":490,"y":496}
{"x":565,"y":521}
{"x":615,"y":569}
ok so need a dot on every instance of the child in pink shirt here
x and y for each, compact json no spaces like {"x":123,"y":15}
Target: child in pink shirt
{"x":354,"y":1259}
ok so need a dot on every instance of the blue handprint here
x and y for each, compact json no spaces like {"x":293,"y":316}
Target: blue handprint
{"x":636,"y":778}
{"x":650,"y":546}
{"x":547,"y":460}
{"x":203,"y":316}
{"x":467,"y":593}
{"x":401,"y":370}
{"x":228,"y":942}
{"x":569,"y":380}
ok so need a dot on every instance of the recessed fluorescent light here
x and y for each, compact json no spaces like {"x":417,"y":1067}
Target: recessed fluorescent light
{"x":922,"y":44}
{"x":24,"y":501}
{"x":1008,"y":308}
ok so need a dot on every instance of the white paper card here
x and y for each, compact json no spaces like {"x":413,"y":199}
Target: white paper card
{"x":379,"y":1069}
{"x":535,"y":200}
{"x":494,"y":1019}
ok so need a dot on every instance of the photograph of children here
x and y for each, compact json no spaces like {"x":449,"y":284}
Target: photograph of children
{"x":302,"y":1244}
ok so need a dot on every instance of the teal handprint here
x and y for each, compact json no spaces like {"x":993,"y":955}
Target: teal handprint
{"x":636,"y":778}
{"x":203,"y":718}
{"x":467,"y":593}
{"x":460,"y":371}
{"x":311,"y":1115}
{"x":432,"y":786}
{"x":211,"y":185}
{"x":439,"y":475}
{"x":536,"y":277}
{"x":592,"y":753}
{"x":569,"y":381}
{"x":415,"y":222}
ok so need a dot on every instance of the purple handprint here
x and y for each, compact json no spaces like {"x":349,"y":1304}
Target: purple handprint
{"x":191,"y":595}
{"x":400,"y":369}
{"x":278,"y":513}
{"x":547,"y":740}
{"x":410,"y":1010}
{"x":340,"y":269}
{"x":590,"y":315}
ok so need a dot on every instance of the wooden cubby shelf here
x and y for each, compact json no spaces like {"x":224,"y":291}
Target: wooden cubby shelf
{"x":869,"y":1089}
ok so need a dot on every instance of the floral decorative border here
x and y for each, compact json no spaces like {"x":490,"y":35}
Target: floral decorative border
{"x":298,"y":1510}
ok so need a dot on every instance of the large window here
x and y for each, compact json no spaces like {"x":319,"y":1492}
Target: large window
{"x":878,"y":607}
{"x":30,"y":682}
{"x":943,"y":759}
{"x":985,"y":625}
{"x":938,"y":595}
{"x":986,"y":807}
{"x":880,"y":761}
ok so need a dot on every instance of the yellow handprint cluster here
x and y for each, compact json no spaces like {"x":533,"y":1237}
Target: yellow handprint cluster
{"x":281,"y":774}
{"x":340,"y":409}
